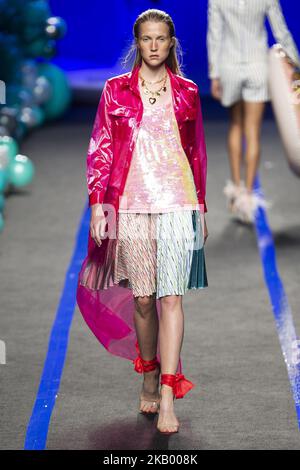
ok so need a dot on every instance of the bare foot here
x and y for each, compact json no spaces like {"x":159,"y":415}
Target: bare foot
{"x":149,"y":395}
{"x":167,"y":421}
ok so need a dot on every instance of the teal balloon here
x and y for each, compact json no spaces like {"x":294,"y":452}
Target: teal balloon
{"x":39,"y":115}
{"x":11,"y":56}
{"x":6,"y":178}
{"x":11,"y":145}
{"x":50,"y":49}
{"x":60,"y":98}
{"x":36,"y":12}
{"x":56,"y":27}
{"x":3,"y":179}
{"x":13,"y":94}
{"x":20,"y":131}
{"x":2,"y":202}
{"x":1,"y":222}
{"x":31,"y":33}
{"x":21,"y":171}
{"x":37,"y":47}
{"x":32,"y":116}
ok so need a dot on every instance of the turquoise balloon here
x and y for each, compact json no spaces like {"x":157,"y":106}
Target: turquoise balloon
{"x":36,"y":12}
{"x":6,"y":178}
{"x":50,"y":49}
{"x":21,"y":130}
{"x":2,"y":201}
{"x":56,"y":27}
{"x":12,"y":146}
{"x":1,"y":222}
{"x":11,"y":55}
{"x":31,"y":33}
{"x":60,"y":98}
{"x":39,"y":115}
{"x":3,"y":179}
{"x":13,"y":94}
{"x":21,"y":171}
{"x":36,"y":48}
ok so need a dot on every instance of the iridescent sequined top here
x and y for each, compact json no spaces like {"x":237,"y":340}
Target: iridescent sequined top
{"x":159,"y":178}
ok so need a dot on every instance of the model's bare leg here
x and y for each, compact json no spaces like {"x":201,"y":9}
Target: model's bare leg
{"x":253,"y":115}
{"x":171,"y":330}
{"x":146,"y":325}
{"x":235,"y":140}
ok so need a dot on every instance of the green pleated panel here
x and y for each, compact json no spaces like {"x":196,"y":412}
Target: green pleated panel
{"x":180,"y":253}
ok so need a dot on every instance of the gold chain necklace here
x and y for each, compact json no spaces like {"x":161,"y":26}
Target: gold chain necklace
{"x":153,"y":83}
{"x":152,"y":98}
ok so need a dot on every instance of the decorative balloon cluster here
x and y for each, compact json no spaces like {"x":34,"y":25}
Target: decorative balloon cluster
{"x":32,"y":90}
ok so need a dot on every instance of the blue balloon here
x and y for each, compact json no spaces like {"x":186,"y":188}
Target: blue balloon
{"x":56,"y":27}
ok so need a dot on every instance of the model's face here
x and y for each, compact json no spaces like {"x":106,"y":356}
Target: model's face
{"x":154,"y":42}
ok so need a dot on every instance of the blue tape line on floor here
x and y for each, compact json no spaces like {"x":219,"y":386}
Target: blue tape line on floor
{"x":282,"y":312}
{"x":37,"y":430}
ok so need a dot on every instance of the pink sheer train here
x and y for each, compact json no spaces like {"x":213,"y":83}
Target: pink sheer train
{"x":108,"y":308}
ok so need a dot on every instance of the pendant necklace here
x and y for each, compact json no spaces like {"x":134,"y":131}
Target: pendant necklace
{"x":152,"y":98}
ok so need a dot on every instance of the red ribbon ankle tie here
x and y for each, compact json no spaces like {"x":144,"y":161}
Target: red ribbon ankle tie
{"x":178,"y":382}
{"x":140,"y":365}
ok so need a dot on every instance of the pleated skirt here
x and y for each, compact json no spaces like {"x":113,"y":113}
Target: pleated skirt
{"x":161,"y":253}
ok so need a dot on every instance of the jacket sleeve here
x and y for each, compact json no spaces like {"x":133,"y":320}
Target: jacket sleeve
{"x":100,"y":154}
{"x":199,"y":156}
{"x":214,"y":38}
{"x":280,"y":30}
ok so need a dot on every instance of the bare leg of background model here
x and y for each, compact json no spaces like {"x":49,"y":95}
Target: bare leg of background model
{"x":235,"y":141}
{"x":253,"y":114}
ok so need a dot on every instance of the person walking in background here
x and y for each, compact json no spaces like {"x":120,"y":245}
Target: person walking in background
{"x":238,"y":68}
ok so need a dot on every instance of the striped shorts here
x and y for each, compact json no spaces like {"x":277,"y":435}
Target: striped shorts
{"x":246,"y":81}
{"x":160,"y":253}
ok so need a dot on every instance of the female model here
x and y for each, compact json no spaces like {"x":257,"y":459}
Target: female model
{"x":146,"y":167}
{"x":238,"y":68}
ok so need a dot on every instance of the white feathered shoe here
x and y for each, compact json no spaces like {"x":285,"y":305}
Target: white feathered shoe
{"x":247,"y":203}
{"x":232,"y":191}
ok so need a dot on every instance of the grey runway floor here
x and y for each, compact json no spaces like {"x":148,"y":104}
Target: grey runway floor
{"x":242,"y":398}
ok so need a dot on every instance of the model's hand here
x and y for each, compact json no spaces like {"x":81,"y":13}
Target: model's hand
{"x":204,"y":227}
{"x":216,"y":88}
{"x":98,"y":223}
{"x":205,"y":234}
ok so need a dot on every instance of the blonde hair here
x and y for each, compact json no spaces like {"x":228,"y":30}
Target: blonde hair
{"x":174,"y":59}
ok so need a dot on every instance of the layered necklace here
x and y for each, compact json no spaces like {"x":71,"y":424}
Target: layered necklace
{"x":154,"y":94}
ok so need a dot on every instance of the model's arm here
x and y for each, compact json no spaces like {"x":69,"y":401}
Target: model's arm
{"x":280,"y":30}
{"x":214,"y":37}
{"x":199,"y":156}
{"x":100,"y":154}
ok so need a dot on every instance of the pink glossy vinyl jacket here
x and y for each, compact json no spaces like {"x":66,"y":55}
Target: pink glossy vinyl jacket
{"x":106,"y":307}
{"x":115,"y":131}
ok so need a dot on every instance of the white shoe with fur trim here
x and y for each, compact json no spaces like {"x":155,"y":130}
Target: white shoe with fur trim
{"x":232,"y":191}
{"x":247,"y":203}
